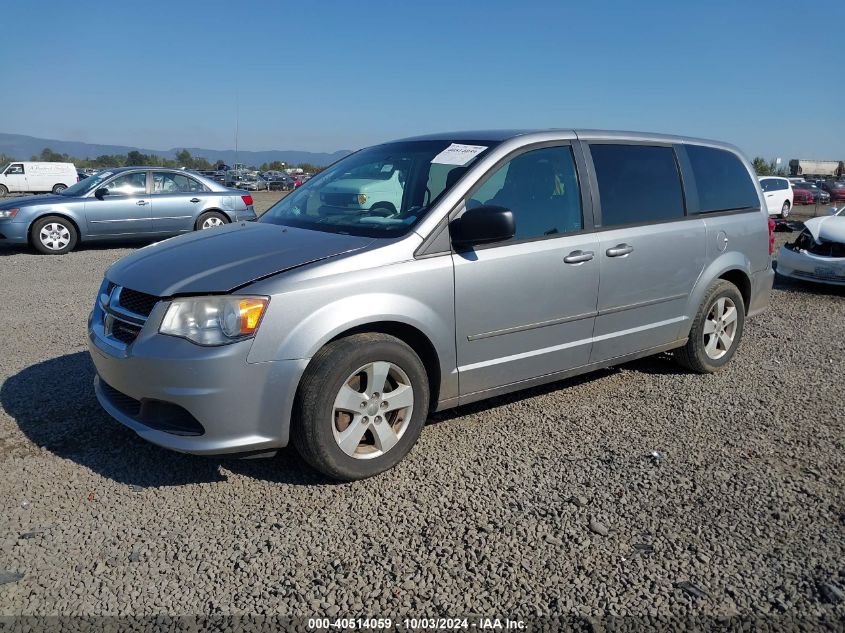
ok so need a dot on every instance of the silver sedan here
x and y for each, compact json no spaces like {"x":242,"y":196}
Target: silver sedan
{"x":117,"y":204}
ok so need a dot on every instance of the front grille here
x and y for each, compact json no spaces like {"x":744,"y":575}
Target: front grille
{"x":120,"y":400}
{"x":124,"y":312}
{"x":137,"y":302}
{"x":339,"y":199}
{"x":124,"y":332}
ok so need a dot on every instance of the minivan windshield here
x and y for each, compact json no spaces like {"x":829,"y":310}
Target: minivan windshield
{"x":381,"y":191}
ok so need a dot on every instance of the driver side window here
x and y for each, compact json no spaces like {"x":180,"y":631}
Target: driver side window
{"x":541,"y":188}
{"x":129,"y":185}
{"x":15,"y":169}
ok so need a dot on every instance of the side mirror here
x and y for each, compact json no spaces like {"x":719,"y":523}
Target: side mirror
{"x":101,"y":193}
{"x":483,"y":225}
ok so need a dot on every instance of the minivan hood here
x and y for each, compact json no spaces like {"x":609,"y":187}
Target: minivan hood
{"x":225,"y":258}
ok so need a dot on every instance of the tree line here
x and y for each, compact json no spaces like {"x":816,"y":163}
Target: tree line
{"x":765,"y":167}
{"x":136,"y":158}
{"x":186,"y":160}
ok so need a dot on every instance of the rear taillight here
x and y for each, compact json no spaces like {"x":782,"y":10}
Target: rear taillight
{"x":771,"y":236}
{"x":247,"y":200}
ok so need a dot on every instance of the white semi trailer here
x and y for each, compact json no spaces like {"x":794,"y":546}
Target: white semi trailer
{"x":831,"y":168}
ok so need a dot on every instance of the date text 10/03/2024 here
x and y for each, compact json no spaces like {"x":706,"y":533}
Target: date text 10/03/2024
{"x":413,"y":624}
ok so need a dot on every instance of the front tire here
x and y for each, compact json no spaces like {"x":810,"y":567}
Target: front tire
{"x":210,"y":220}
{"x":361,"y":406}
{"x":385,"y":209}
{"x":3,"y":191}
{"x":716,"y":331}
{"x":54,"y":235}
{"x":784,"y":210}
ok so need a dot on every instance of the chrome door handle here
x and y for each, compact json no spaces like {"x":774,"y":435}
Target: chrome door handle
{"x":578,"y":257}
{"x":141,"y":203}
{"x":195,"y":199}
{"x":620,"y":250}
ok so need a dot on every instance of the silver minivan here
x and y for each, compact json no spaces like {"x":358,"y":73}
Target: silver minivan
{"x":339,"y":321}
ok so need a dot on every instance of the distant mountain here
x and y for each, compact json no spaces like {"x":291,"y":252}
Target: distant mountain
{"x":23,"y":147}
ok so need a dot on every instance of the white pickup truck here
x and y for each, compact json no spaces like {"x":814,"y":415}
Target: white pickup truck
{"x":30,"y":177}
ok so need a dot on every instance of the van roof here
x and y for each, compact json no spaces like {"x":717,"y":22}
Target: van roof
{"x":581,"y":133}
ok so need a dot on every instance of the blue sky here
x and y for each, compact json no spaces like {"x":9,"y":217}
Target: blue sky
{"x":331,"y":75}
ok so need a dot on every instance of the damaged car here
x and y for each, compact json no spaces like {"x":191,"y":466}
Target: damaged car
{"x":818,"y":253}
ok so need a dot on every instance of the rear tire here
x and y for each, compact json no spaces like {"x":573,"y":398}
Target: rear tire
{"x":210,"y":220}
{"x":354,"y":384}
{"x":716,"y":331}
{"x":59,"y":188}
{"x":784,"y":210}
{"x":54,"y":235}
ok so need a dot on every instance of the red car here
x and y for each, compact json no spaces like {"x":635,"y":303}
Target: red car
{"x":297,"y":182}
{"x":836,"y":189}
{"x":802,"y":196}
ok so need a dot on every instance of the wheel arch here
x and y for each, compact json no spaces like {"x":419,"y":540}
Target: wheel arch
{"x":742,"y":281}
{"x":413,"y":338}
{"x":734,"y":267}
{"x":59,"y":214}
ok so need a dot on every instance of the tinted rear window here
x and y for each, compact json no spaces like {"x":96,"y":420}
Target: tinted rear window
{"x":637,"y":184}
{"x":722,"y":180}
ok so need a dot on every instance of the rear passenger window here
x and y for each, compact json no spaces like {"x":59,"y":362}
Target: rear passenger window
{"x":768,"y":184}
{"x":165,"y":182}
{"x":722,"y":180}
{"x":637,"y":184}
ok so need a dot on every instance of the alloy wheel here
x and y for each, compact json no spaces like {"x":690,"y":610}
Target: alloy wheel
{"x":372,"y":410}
{"x":720,"y":328}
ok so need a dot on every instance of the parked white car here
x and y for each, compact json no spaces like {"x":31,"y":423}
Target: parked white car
{"x":778,"y":194}
{"x":818,"y":254}
{"x":29,"y":177}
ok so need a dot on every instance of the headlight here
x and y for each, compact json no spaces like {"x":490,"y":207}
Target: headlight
{"x":214,"y":320}
{"x":8,"y":213}
{"x":362,"y":198}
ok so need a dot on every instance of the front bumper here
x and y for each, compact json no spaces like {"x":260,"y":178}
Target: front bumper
{"x":236,"y":406}
{"x":14,"y":231}
{"x":809,"y":267}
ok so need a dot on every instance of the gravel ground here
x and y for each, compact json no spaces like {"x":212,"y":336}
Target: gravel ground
{"x":543,"y":502}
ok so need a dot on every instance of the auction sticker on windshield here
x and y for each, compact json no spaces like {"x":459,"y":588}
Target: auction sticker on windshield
{"x":457,"y":154}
